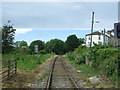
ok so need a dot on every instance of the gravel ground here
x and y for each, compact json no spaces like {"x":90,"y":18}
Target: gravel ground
{"x":75,"y":74}
{"x":60,"y":77}
{"x":42,"y":77}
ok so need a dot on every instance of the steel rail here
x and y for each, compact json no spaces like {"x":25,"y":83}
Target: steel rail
{"x":70,"y":76}
{"x":49,"y":81}
{"x":50,"y":75}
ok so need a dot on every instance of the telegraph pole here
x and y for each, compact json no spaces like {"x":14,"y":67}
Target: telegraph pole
{"x":92,"y":28}
{"x":104,"y":36}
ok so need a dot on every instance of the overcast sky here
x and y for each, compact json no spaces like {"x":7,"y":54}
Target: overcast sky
{"x":73,"y":17}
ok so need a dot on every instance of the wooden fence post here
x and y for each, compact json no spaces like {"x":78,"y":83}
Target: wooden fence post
{"x":15,"y":66}
{"x":8,"y":69}
{"x":86,"y":60}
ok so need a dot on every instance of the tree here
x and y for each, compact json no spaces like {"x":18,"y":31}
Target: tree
{"x":23,"y":43}
{"x":37,"y":42}
{"x":22,"y":50}
{"x":81,"y":41}
{"x":8,"y":33}
{"x":72,"y":42}
{"x":20,"y":43}
{"x":56,"y":46}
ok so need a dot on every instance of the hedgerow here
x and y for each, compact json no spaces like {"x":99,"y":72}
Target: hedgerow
{"x":105,"y":59}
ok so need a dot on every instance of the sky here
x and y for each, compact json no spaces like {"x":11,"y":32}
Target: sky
{"x":49,"y":20}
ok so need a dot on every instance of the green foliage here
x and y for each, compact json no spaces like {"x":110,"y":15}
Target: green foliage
{"x":29,"y":62}
{"x":86,"y":71}
{"x":21,"y":50}
{"x":81,"y":41}
{"x":79,"y":54}
{"x":40,"y":44}
{"x":56,"y":46}
{"x":105,"y":59}
{"x":72,"y":42}
{"x":7,"y":38}
{"x":20,"y":43}
{"x":42,"y":51}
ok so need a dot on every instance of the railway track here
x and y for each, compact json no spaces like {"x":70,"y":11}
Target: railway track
{"x":59,"y":76}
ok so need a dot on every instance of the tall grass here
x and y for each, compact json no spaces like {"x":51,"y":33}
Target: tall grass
{"x":28,"y":61}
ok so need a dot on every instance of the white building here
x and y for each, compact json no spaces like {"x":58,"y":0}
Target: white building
{"x":98,"y":37}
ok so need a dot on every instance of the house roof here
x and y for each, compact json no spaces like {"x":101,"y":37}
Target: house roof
{"x":97,"y":33}
{"x":111,"y":30}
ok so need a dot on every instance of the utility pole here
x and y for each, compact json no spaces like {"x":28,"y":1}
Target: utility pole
{"x":104,"y":36}
{"x":92,"y":28}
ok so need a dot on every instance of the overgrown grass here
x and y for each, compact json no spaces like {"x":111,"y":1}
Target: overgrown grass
{"x":29,"y":62}
{"x":105,"y":59}
{"x":86,"y":71}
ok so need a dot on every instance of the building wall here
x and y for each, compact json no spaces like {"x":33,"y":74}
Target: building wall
{"x":95,"y":39}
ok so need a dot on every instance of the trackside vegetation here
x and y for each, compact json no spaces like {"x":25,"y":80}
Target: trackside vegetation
{"x":29,"y":62}
{"x":98,"y":60}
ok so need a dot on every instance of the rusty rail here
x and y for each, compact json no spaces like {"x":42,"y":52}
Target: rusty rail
{"x":48,"y":85}
{"x":70,"y":76}
{"x":50,"y":75}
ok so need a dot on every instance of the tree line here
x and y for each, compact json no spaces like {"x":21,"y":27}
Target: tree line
{"x":56,"y":46}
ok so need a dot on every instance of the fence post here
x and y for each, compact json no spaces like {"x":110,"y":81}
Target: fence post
{"x":15,"y":66}
{"x":86,"y":60}
{"x":8,"y":69}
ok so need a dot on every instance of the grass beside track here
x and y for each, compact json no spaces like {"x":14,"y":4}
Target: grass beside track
{"x":29,"y":62}
{"x":28,"y":70}
{"x":87,"y":71}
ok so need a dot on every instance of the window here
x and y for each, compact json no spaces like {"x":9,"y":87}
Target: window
{"x":89,"y":38}
{"x":88,"y":43}
{"x":99,"y":37}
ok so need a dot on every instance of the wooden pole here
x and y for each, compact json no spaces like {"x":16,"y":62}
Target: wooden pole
{"x":92,"y":28}
{"x":104,"y":37}
{"x":8,"y":69}
{"x":15,"y":66}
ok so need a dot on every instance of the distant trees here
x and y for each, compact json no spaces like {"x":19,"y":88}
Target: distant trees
{"x":21,"y":47}
{"x":56,"y":46}
{"x":20,"y":43}
{"x":72,"y":42}
{"x":40,"y":44}
{"x":8,"y":33}
{"x":22,"y":50}
{"x":81,"y":41}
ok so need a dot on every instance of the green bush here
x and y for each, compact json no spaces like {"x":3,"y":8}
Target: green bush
{"x":105,"y":59}
{"x":78,"y":55}
{"x":21,"y":50}
{"x":42,"y":51}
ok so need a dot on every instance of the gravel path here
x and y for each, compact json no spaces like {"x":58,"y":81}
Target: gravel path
{"x":60,"y":77}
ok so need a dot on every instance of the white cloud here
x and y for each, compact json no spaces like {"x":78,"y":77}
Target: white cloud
{"x":76,"y":7}
{"x":59,"y":0}
{"x":22,"y":31}
{"x":77,"y":28}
